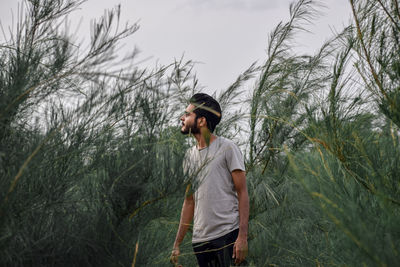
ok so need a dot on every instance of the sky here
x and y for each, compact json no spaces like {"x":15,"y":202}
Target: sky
{"x":223,"y":37}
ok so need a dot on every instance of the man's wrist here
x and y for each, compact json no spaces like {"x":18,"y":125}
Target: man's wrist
{"x":242,"y":235}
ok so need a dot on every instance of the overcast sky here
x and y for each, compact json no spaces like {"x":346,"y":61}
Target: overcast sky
{"x":224,"y":36}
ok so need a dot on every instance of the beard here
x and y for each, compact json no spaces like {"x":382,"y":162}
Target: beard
{"x":190,"y":129}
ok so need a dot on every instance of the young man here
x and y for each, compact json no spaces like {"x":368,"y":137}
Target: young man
{"x":216,"y":199}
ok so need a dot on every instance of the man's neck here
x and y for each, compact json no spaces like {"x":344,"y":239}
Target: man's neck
{"x":204,"y":139}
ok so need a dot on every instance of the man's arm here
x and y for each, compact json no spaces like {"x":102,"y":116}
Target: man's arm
{"x":184,"y":223}
{"x":240,"y":248}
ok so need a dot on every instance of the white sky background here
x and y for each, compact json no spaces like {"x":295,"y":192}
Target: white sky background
{"x":224,"y":36}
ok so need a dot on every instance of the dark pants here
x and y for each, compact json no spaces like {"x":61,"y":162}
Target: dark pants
{"x":217,"y":252}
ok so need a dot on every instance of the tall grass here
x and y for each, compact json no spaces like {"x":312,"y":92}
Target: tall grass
{"x":91,"y":155}
{"x":333,"y":200}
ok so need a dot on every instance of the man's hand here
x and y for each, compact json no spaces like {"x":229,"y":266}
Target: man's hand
{"x":184,"y":223}
{"x":240,"y":250}
{"x":174,"y":256}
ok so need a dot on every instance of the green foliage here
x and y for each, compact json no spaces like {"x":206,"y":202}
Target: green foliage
{"x":324,"y":191}
{"x":284,"y":92}
{"x":87,"y":152}
{"x":91,"y":155}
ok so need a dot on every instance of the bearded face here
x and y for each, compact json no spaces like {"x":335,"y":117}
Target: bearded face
{"x":190,"y":128}
{"x":189,"y":121}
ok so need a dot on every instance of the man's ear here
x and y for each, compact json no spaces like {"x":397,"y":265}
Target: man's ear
{"x":203,"y":121}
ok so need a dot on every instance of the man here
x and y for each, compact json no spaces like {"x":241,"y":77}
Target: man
{"x":217,"y":198}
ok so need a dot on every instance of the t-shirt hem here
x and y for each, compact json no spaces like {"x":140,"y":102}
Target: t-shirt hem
{"x":199,"y":240}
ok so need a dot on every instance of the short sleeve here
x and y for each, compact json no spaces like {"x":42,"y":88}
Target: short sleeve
{"x":188,"y":172}
{"x":234,"y":158}
{"x":185,"y":163}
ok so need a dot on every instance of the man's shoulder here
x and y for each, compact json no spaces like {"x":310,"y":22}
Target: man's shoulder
{"x":226,"y":142}
{"x":190,"y":150}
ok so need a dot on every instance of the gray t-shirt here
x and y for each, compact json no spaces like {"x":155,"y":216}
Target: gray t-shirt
{"x":216,"y":210}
